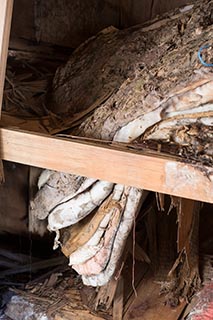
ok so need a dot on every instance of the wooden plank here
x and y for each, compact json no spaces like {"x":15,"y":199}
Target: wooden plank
{"x":6,"y":8}
{"x":186,"y":213}
{"x":109,"y":162}
{"x":23,"y":23}
{"x":106,"y":294}
{"x":184,"y":277}
{"x":76,"y":314}
{"x":150,"y":304}
{"x":118,"y":301}
{"x":27,"y":124}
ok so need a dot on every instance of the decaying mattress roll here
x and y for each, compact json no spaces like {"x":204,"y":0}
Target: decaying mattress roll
{"x":145,"y":83}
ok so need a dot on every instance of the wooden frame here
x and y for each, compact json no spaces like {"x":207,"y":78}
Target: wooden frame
{"x":110,"y":162}
{"x":6,"y":8}
{"x":115,"y":163}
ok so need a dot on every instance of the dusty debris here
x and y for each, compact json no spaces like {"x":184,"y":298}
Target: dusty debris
{"x":57,"y":300}
{"x":141,"y":85}
{"x":184,"y":275}
{"x":169,"y":101}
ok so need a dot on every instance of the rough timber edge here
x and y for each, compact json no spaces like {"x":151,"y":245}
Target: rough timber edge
{"x":6,"y":9}
{"x":151,"y":172}
{"x":110,"y":162}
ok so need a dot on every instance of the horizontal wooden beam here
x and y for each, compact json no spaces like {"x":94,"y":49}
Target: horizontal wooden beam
{"x":108,"y":162}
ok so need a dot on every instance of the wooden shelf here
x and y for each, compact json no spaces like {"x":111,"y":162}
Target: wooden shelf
{"x":108,"y":162}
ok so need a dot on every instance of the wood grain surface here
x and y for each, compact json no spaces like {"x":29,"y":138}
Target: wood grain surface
{"x":110,"y":162}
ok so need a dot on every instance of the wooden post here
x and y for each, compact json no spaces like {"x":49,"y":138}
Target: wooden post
{"x":118,"y":301}
{"x":6,"y":8}
{"x":184,"y":275}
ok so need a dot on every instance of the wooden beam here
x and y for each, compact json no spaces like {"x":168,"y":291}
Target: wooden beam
{"x":150,"y":304}
{"x":118,"y":301}
{"x":184,"y":276}
{"x":108,"y":162}
{"x":6,"y":8}
{"x":188,"y":212}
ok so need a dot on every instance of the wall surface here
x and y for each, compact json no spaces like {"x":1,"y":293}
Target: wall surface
{"x":23,"y":19}
{"x":68,"y":23}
